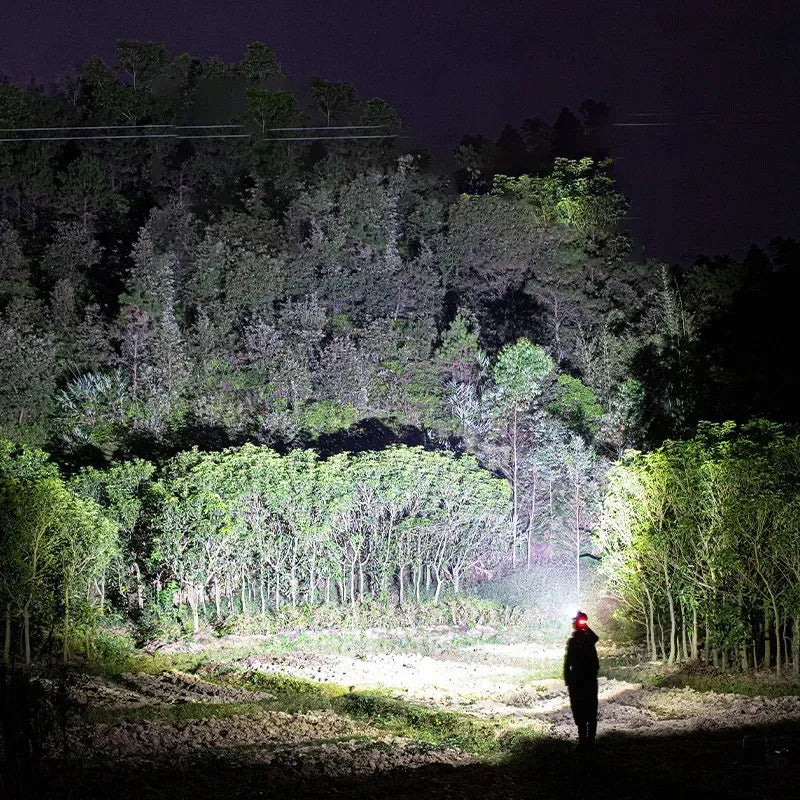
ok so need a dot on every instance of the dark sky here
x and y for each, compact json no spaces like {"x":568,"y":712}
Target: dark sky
{"x":724,"y":175}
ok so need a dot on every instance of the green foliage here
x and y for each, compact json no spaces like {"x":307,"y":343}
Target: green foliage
{"x":702,"y":533}
{"x":520,"y":372}
{"x":326,"y":416}
{"x":54,"y":548}
{"x":580,"y":194}
{"x":577,"y":406}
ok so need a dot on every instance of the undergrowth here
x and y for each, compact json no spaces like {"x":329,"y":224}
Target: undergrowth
{"x":701,"y":678}
{"x":380,"y":710}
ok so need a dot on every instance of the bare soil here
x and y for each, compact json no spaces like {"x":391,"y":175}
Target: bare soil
{"x":650,"y":740}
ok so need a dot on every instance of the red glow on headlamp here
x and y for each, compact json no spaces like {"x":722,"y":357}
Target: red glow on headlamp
{"x":581,"y":622}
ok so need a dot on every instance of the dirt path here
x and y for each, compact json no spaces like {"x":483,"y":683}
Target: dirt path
{"x":496,"y":681}
{"x":175,"y":731}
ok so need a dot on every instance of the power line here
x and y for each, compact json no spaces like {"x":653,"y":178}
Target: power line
{"x":327,"y":128}
{"x":335,"y":138}
{"x":186,"y":127}
{"x":196,"y":136}
{"x":116,"y":127}
{"x":128,"y":136}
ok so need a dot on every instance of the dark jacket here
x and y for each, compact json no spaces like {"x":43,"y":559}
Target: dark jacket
{"x":580,"y":662}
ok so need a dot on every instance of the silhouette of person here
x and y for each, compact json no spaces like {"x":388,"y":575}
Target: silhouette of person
{"x":580,"y":675}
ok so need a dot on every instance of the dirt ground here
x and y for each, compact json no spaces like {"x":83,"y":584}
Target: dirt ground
{"x":261,"y":752}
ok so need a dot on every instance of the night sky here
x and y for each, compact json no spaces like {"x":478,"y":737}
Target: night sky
{"x":726,"y":73}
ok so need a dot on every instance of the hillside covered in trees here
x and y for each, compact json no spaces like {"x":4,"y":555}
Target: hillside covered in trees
{"x":277,"y":364}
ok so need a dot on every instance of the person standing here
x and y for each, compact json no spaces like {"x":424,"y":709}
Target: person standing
{"x":580,"y":674}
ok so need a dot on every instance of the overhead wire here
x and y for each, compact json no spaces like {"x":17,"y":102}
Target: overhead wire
{"x":175,"y":133}
{"x":117,"y":127}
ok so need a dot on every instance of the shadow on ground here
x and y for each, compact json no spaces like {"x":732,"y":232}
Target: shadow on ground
{"x":620,"y":766}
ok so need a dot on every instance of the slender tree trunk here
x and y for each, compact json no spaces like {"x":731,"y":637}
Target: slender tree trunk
{"x":438,"y":578}
{"x":767,"y":642}
{"x":684,"y":640}
{"x":778,"y":654}
{"x":244,"y":593}
{"x":672,"y":624}
{"x":651,"y":624}
{"x":695,"y":654}
{"x":577,"y":539}
{"x":795,"y":645}
{"x":514,"y":493}
{"x":139,"y":593}
{"x":312,"y":578}
{"x":7,"y":642}
{"x":65,"y":643}
{"x":530,"y":522}
{"x":26,"y":627}
{"x":191,"y":596}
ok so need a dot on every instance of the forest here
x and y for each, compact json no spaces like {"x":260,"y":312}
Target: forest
{"x":252,"y":361}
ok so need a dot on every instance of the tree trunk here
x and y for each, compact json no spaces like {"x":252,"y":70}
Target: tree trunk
{"x":767,"y":643}
{"x":139,"y":593}
{"x":530,"y":522}
{"x":514,"y":495}
{"x":400,"y":581}
{"x":216,"y":599}
{"x":312,"y":578}
{"x":191,"y":596}
{"x":577,"y":539}
{"x":438,"y":591}
{"x":795,"y":646}
{"x":65,"y":643}
{"x":26,"y":627}
{"x":651,"y":623}
{"x":695,"y":653}
{"x":7,"y":642}
{"x":684,"y":640}
{"x":244,"y":593}
{"x":672,"y":623}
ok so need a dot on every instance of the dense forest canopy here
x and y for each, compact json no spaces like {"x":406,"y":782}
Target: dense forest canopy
{"x":335,"y":317}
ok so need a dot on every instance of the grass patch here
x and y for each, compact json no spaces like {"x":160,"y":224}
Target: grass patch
{"x":701,"y":678}
{"x":174,"y":712}
{"x":412,"y":721}
{"x":726,"y":683}
{"x":379,"y":710}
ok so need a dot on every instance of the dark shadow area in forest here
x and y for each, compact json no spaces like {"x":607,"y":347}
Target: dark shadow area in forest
{"x":369,"y":434}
